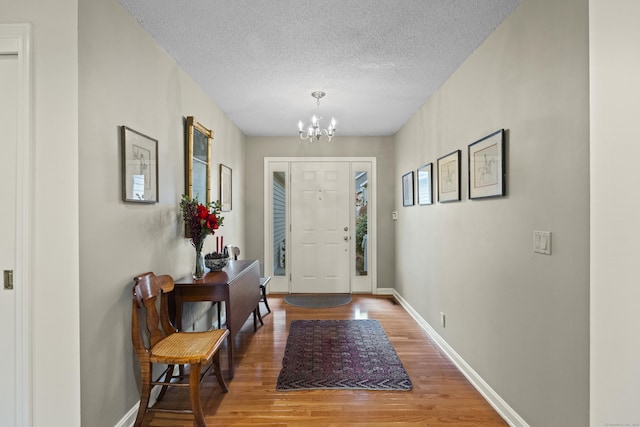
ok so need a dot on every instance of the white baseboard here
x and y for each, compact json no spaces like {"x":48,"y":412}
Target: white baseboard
{"x":130,"y":417}
{"x":503,"y":409}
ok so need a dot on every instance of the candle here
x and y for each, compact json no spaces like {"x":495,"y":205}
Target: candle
{"x":221,"y":243}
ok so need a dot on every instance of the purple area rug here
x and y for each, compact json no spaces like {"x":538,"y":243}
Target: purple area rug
{"x":340,"y":354}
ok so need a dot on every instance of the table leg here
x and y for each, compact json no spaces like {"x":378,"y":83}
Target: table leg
{"x":228,"y":320}
{"x":179,"y":326}
{"x":230,"y":354}
{"x":179,"y":314}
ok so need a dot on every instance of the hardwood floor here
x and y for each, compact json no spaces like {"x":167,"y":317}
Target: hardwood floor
{"x":441,"y":395}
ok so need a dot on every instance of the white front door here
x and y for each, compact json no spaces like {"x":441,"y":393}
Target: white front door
{"x":320,"y":220}
{"x":8,"y":154}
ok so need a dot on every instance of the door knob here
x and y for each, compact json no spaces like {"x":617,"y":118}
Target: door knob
{"x":346,"y":238}
{"x":346,"y":229}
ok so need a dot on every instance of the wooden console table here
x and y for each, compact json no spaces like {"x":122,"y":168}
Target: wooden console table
{"x":237,"y":285}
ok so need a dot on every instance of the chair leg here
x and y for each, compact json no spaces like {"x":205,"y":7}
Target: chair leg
{"x":145,"y":392}
{"x":264,"y":299}
{"x":194,"y":394}
{"x":167,"y":379}
{"x":218,"y":372}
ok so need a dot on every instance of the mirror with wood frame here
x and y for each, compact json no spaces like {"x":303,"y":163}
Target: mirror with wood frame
{"x":198,"y":157}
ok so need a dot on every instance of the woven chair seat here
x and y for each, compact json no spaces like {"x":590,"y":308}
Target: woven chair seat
{"x":183,"y":348}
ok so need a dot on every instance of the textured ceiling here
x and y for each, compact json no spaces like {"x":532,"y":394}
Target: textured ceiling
{"x":377,"y":60}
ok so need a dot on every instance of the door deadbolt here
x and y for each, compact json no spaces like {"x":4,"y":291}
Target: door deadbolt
{"x":346,"y":229}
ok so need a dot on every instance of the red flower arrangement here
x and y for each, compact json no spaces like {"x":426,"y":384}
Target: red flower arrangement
{"x":200,"y":220}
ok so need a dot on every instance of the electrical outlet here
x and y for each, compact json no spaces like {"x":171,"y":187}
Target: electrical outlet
{"x":443,"y":319}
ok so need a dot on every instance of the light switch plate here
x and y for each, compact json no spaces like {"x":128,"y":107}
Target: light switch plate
{"x":394,"y":215}
{"x":542,"y":242}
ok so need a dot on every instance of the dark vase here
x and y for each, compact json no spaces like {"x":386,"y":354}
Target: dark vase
{"x":198,"y":270}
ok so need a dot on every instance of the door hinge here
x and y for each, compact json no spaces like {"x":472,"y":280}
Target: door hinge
{"x":8,"y":279}
{"x":289,"y":276}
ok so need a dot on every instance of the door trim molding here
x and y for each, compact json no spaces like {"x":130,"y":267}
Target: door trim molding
{"x":267,"y":250}
{"x":15,"y":39}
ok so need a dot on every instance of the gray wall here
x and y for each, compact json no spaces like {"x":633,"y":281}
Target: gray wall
{"x":520,"y":319}
{"x":126,"y":79}
{"x":379,"y":147}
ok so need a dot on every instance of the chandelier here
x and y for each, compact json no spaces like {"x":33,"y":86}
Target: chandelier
{"x":315,"y":131}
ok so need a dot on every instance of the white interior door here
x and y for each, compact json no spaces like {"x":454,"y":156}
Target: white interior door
{"x":8,"y":154}
{"x":320,"y":220}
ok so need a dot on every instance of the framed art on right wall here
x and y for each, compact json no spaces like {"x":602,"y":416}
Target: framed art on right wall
{"x":486,"y":166}
{"x":407,"y":189}
{"x":449,"y":177}
{"x":425,"y":193}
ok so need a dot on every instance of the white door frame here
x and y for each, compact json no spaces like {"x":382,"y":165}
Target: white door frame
{"x":15,"y":39}
{"x":280,"y":284}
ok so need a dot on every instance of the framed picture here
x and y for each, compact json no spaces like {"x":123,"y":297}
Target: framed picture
{"x":225,"y":187}
{"x":449,"y":177}
{"x":425,"y":188}
{"x":407,"y":189}
{"x":198,"y":161}
{"x":139,"y":167}
{"x":486,"y":166}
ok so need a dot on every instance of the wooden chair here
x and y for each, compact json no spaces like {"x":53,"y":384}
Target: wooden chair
{"x":264,"y":281}
{"x":169,"y":347}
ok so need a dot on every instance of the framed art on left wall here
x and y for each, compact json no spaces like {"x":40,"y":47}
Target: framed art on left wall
{"x":139,"y":167}
{"x":225,"y":187}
